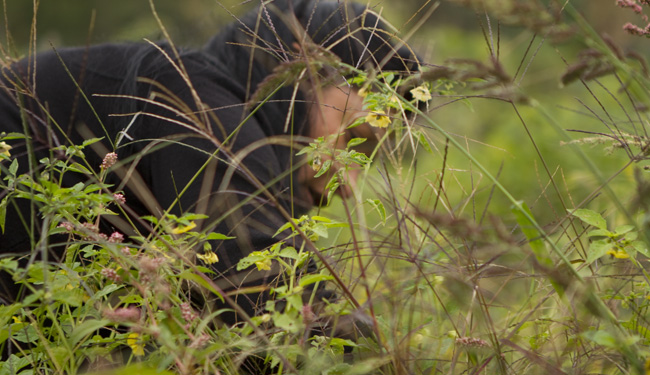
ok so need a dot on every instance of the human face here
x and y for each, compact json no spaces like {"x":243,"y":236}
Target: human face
{"x":332,"y":111}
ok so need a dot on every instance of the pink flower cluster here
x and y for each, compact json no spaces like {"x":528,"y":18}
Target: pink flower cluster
{"x":111,"y":274}
{"x":109,"y":160}
{"x":471,"y":342}
{"x":637,"y":7}
{"x":187,"y":312}
{"x":122,"y":314}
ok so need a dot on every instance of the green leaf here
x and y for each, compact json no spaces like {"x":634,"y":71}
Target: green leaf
{"x":590,"y":217}
{"x":311,"y":279}
{"x":283,"y":228}
{"x":355,"y":142}
{"x":12,"y":135}
{"x":602,"y":338}
{"x":14,"y":364}
{"x":423,"y":141}
{"x":641,"y":247}
{"x":86,"y":328}
{"x":320,"y":230}
{"x":321,"y":219}
{"x":622,"y":229}
{"x":190,"y":217}
{"x":191,"y":276}
{"x":219,"y":236}
{"x":377,"y":205}
{"x":598,"y":249}
{"x":289,"y":252}
{"x":324,"y":168}
{"x":287,"y":322}
{"x":3,"y":214}
{"x":532,"y":234}
{"x":90,"y":141}
{"x":601,"y":232}
{"x":13,"y":168}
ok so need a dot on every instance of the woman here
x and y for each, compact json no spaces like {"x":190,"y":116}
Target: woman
{"x":212,"y":131}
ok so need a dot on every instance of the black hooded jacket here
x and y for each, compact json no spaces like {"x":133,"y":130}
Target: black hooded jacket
{"x":166,"y":113}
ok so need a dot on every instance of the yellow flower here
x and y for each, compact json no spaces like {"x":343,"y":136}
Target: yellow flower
{"x":263,"y":265}
{"x":208,"y":257}
{"x":618,"y":254}
{"x":421,"y":93}
{"x":133,"y":341}
{"x":362,"y":92}
{"x":4,"y":149}
{"x":16,"y":319}
{"x":378,"y":119}
{"x":183,"y":229}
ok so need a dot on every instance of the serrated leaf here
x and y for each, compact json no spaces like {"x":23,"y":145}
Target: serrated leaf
{"x":590,"y":217}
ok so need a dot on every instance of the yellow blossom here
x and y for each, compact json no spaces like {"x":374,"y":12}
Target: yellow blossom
{"x":16,"y":319}
{"x":263,"y":265}
{"x":362,"y":92}
{"x":183,"y":229}
{"x":4,"y":149}
{"x":378,"y":119}
{"x":208,"y":257}
{"x":133,"y":341}
{"x":619,"y":254}
{"x":421,"y":93}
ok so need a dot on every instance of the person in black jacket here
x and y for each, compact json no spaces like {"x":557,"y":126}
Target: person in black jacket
{"x":206,"y":131}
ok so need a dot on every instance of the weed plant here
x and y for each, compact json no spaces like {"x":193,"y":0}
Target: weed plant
{"x":437,"y":249}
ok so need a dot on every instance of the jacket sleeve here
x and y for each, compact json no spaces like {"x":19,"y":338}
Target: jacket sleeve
{"x":227,"y":170}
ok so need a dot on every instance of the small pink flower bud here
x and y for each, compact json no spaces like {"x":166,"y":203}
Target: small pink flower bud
{"x":119,"y":198}
{"x":68,"y":226}
{"x":116,"y":237}
{"x":111,"y":274}
{"x":109,"y":160}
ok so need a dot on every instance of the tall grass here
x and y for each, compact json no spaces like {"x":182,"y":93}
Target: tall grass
{"x":453,"y":267}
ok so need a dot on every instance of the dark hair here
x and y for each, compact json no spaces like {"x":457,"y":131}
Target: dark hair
{"x":354,"y":34}
{"x":246,"y":52}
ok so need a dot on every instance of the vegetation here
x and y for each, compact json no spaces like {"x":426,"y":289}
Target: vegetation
{"x":493,"y":233}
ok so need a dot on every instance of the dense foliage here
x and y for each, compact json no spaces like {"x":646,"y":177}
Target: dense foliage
{"x":502,"y":230}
